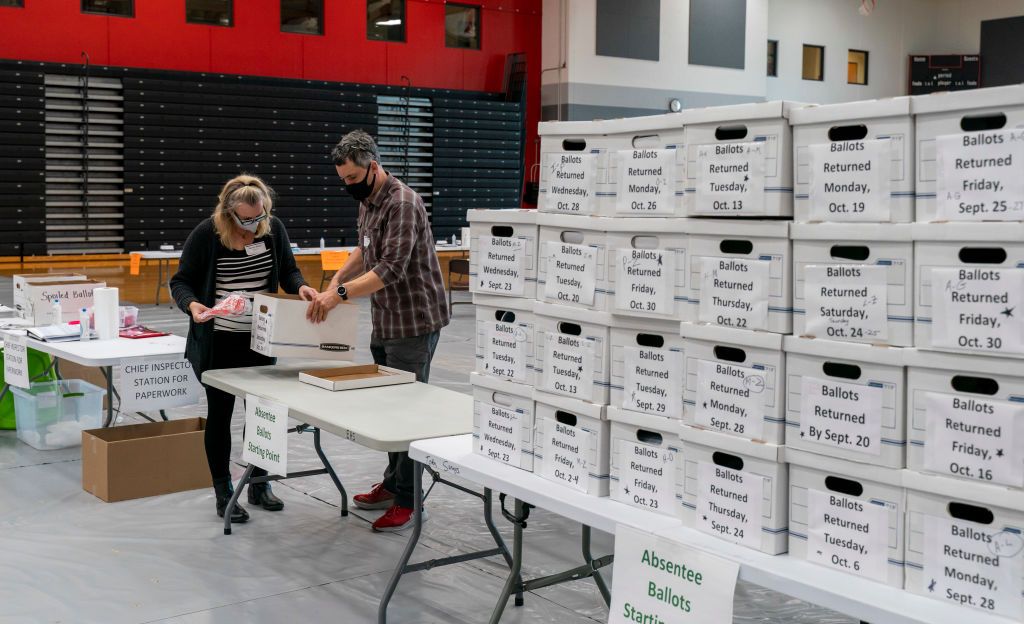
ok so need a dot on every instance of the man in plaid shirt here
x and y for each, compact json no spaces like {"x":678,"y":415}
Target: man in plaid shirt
{"x":395,"y":264}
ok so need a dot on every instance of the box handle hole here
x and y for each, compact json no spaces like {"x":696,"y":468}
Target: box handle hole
{"x":843,"y":371}
{"x":974,"y":385}
{"x":982,"y":255}
{"x":847,"y":133}
{"x":727,"y":460}
{"x":646,"y":140}
{"x":850,"y":252}
{"x":844,"y":486}
{"x":649,"y":437}
{"x":571,"y":329}
{"x":501,"y":399}
{"x":574,"y":145}
{"x":730,"y":133}
{"x":650,"y":340}
{"x":644,"y":242}
{"x":738,"y":247}
{"x":730,"y":354}
{"x":502,"y":231}
{"x":971,"y":513}
{"x":976,"y":123}
{"x":566,"y":418}
{"x":505,"y":316}
{"x":572,"y":237}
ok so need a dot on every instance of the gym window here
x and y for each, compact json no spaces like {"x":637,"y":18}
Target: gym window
{"x":462,"y":26}
{"x":209,"y":12}
{"x":304,"y":17}
{"x":857,"y":67}
{"x":814,"y":62}
{"x":19,"y":4}
{"x":773,"y":57}
{"x":385,"y":20}
{"x":118,"y":8}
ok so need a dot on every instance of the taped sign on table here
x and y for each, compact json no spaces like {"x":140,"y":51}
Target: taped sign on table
{"x":571,"y":273}
{"x":730,"y":178}
{"x":570,"y":183}
{"x":647,"y":182}
{"x":158,"y":383}
{"x":980,"y":176}
{"x":978,"y":309}
{"x":265,"y":443}
{"x":846,"y":302}
{"x":850,"y":180}
{"x":16,"y":359}
{"x":502,"y":266}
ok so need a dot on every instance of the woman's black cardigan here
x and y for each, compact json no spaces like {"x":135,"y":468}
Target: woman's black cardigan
{"x":196,"y":280}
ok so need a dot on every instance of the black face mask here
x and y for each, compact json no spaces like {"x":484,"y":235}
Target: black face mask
{"x":361,"y":190}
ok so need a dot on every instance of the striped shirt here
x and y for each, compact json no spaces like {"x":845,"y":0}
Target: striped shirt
{"x":240,"y":273}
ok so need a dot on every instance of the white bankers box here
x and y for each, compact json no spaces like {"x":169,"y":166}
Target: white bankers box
{"x":20,"y":287}
{"x":735,"y":382}
{"x":970,"y":160}
{"x":970,"y":287}
{"x":572,"y":263}
{"x":645,"y":454}
{"x":740,"y":274}
{"x":853,"y":282}
{"x":505,"y":338}
{"x":503,"y":252}
{"x":740,"y":160}
{"x":571,"y":444}
{"x":847,"y":516}
{"x":646,"y":166}
{"x":647,"y":267}
{"x":73,"y":294}
{"x":735,"y":489}
{"x":503,"y":418}
{"x":573,"y":166}
{"x":280,"y":329}
{"x":967,"y":417}
{"x":647,"y":368}
{"x":846,"y":400}
{"x":572,"y":352}
{"x":854,"y":162}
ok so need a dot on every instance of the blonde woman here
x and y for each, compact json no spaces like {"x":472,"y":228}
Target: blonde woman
{"x":240,"y":249}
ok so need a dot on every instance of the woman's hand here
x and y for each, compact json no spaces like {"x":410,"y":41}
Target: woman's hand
{"x":196,"y":309}
{"x":307,"y":293}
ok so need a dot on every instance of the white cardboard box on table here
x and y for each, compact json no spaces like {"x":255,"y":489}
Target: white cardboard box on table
{"x":280,"y":329}
{"x":647,"y":267}
{"x":741,"y":274}
{"x":647,"y":367}
{"x":573,"y":167}
{"x":740,"y":160}
{"x":853,"y":282}
{"x":19,"y":284}
{"x":854,"y":162}
{"x":571,"y":444}
{"x":735,"y":382}
{"x":645,"y":455}
{"x":503,"y":421}
{"x":506,"y":338}
{"x":572,"y":354}
{"x":847,"y":516}
{"x":73,"y":295}
{"x":646,"y":166}
{"x":572,"y":262}
{"x":503,"y":252}
{"x":846,"y":400}
{"x":735,"y":489}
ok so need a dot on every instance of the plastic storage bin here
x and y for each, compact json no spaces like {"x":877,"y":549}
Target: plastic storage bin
{"x":53,"y":414}
{"x":39,"y":370}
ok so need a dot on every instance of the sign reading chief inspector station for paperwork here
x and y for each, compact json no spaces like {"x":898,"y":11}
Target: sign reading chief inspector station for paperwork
{"x":158,"y":383}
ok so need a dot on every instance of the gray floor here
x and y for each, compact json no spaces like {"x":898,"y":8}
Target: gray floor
{"x":66,"y":556}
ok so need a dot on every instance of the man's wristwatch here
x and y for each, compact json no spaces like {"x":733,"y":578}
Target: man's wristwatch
{"x":343,"y":292}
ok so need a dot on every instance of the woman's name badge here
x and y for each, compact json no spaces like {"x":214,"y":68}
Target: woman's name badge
{"x":366,"y":241}
{"x":255,"y":248}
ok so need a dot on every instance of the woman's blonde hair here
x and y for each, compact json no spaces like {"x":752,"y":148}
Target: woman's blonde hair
{"x":243,"y":189}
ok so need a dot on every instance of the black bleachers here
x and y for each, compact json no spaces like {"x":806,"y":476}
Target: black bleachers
{"x":22,"y":162}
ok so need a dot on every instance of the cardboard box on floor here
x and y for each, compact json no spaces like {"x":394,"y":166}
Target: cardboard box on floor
{"x":136,"y":461}
{"x":280,"y":329}
{"x":20,"y":303}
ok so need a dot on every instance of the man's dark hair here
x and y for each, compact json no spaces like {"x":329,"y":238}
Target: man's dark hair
{"x":357,"y":146}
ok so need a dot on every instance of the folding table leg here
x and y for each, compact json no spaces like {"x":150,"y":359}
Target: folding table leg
{"x":330,"y":470}
{"x":589,"y":558}
{"x":108,"y":373}
{"x":410,"y":546}
{"x":234,"y":498}
{"x":489,"y":521}
{"x":159,"y":280}
{"x":515,"y":568}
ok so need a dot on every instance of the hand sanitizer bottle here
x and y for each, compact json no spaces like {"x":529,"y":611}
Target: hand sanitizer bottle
{"x":56,"y":313}
{"x":83,"y":324}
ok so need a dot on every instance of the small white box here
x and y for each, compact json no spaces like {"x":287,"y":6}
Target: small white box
{"x":740,"y":160}
{"x":740,"y":376}
{"x":20,"y":304}
{"x":864,"y":290}
{"x":73,"y":294}
{"x":503,"y":421}
{"x":645,"y":456}
{"x":506,"y":338}
{"x":743,"y":493}
{"x":972,"y":249}
{"x":572,"y":443}
{"x":854,"y":161}
{"x":860,"y":507}
{"x":978,"y":430}
{"x":572,"y":264}
{"x":967,"y":531}
{"x":573,"y":167}
{"x":859,"y":399}
{"x":647,"y":368}
{"x":280,"y":329}
{"x":649,"y":153}
{"x":572,"y":352}
{"x":958,"y":113}
{"x":647,"y":267}
{"x":503,"y":252}
{"x":748,"y":265}
{"x":355,"y":376}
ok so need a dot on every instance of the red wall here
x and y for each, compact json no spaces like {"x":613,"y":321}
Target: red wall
{"x":158,"y":38}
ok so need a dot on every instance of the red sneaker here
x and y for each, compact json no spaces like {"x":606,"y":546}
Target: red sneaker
{"x":395,"y":519}
{"x":376,"y":498}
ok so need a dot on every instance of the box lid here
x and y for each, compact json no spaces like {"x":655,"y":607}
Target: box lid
{"x":659,"y":424}
{"x":966,"y":364}
{"x":971,"y":491}
{"x":571,"y":405}
{"x":889,"y":477}
{"x":641,"y":324}
{"x":730,"y":335}
{"x":500,"y":385}
{"x":989,"y":97}
{"x":50,"y":284}
{"x":846,"y":351}
{"x":517,"y":304}
{"x":647,"y":123}
{"x":732,"y":444}
{"x":897,"y":232}
{"x":502,"y":215}
{"x":963,"y":232}
{"x":641,"y":225}
{"x":571,"y":128}
{"x":573,"y":222}
{"x":566,"y":313}
{"x":851,"y":111}
{"x":753,"y":228}
{"x":777,"y":109}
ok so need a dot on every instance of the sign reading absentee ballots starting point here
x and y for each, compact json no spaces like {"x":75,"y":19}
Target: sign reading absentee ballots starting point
{"x":661,"y":581}
{"x":158,"y":383}
{"x":266,"y":435}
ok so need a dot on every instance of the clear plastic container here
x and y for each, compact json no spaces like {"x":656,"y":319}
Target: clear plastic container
{"x":52,"y":414}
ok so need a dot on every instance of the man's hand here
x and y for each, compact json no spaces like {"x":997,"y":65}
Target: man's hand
{"x":321,"y":305}
{"x":196,"y":309}
{"x":307,"y":293}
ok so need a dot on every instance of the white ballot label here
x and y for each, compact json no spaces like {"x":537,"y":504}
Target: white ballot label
{"x":846,"y":302}
{"x":729,"y":503}
{"x":571,"y":273}
{"x":645,"y":281}
{"x":565,"y":454}
{"x":569,"y":365}
{"x":978,"y":309}
{"x":158,"y":383}
{"x":842,"y":415}
{"x":262,"y":330}
{"x":730,"y":179}
{"x":848,"y":534}
{"x":652,"y":381}
{"x":731,"y":398}
{"x":976,"y":565}
{"x":16,"y":359}
{"x":647,"y":182}
{"x":975,"y":438}
{"x":501,"y":434}
{"x":647,"y":477}
{"x":502,"y":268}
{"x":661,"y":581}
{"x":505,"y":351}
{"x":850,"y":180}
{"x":570,"y":183}
{"x":734,"y":292}
{"x":265,"y":442}
{"x":980,"y":176}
